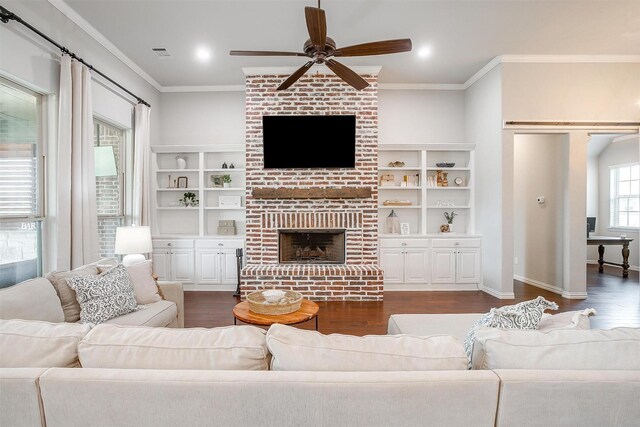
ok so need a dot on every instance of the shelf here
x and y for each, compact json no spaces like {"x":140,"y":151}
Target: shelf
{"x":218,"y":208}
{"x":225,"y":189}
{"x":403,"y":168}
{"x":453,"y":235}
{"x":435,"y":168}
{"x":400,"y":207}
{"x":448,"y":207}
{"x":398,"y":188}
{"x":177,"y":208}
{"x":176,"y":170}
{"x":225,"y":170}
{"x":448,"y":188}
{"x":179,"y":189}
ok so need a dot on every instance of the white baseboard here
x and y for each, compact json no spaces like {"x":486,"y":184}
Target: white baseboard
{"x":431,"y":287}
{"x":497,"y":294}
{"x":574,"y":295}
{"x":595,"y":262}
{"x":539,"y":284}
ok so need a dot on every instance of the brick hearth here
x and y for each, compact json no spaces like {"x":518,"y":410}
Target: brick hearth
{"x":360,"y":278}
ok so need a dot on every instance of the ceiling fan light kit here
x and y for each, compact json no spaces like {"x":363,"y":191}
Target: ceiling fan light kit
{"x":321,"y":49}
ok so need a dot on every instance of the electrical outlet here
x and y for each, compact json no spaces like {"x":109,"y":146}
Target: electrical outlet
{"x":515,"y":260}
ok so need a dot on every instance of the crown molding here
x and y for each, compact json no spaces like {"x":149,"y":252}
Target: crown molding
{"x":421,"y":86}
{"x":67,"y":11}
{"x":320,"y":69}
{"x":211,"y":88}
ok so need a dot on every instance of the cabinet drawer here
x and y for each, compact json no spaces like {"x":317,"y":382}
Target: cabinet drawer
{"x":220,"y":243}
{"x":457,"y":243}
{"x":177,"y":243}
{"x":404,"y":243}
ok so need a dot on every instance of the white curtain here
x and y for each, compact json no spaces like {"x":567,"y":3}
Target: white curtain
{"x":141,"y":167}
{"x":77,"y":221}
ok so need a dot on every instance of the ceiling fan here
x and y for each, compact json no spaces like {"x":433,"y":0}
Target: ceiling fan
{"x":321,"y":49}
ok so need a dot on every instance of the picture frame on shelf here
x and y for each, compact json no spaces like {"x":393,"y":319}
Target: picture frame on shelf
{"x":405,"y":228}
{"x":216,"y":181}
{"x":182,"y":182}
{"x":229,"y":201}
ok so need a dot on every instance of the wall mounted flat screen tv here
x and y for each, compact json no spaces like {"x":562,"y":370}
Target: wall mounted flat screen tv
{"x":309,"y":142}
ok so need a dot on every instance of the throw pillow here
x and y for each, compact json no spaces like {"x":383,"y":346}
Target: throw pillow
{"x":104,"y":297}
{"x":567,"y":320}
{"x":144,"y":282}
{"x":67,"y":296}
{"x":524,"y":315}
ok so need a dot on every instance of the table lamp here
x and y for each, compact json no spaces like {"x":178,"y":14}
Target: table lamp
{"x":132,"y":242}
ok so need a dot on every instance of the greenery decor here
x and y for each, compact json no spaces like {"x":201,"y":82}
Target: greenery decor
{"x":226,"y":179}
{"x":189,"y":199}
{"x":449,"y":216}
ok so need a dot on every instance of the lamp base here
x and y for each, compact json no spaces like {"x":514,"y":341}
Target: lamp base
{"x":132,"y":259}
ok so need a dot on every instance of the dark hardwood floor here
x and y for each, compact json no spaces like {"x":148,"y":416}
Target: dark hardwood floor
{"x":616,"y":300}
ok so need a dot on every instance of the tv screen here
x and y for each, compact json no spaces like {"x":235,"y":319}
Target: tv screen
{"x":309,"y":141}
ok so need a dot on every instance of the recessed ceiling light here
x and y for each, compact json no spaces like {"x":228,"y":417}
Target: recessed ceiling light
{"x":424,"y":52}
{"x":203,"y":54}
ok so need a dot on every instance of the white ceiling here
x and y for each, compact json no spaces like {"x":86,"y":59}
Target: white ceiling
{"x":463,"y":35}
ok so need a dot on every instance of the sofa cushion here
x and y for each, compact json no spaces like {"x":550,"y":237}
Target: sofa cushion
{"x":615,"y":349}
{"x":67,"y":295}
{"x":139,"y":347}
{"x":104,"y":297}
{"x":295,"y":349}
{"x":35,"y":344}
{"x":33,"y":299}
{"x":144,"y":285}
{"x":423,"y":325}
{"x":20,"y":403}
{"x":159,"y":314}
{"x":524,"y":315}
{"x":568,"y":320}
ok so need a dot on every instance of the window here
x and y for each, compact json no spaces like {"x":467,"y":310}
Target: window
{"x":625,"y":196}
{"x":109,"y":159}
{"x":20,"y":184}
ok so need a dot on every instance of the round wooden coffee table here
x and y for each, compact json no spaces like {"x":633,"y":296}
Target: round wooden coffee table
{"x":308,"y":310}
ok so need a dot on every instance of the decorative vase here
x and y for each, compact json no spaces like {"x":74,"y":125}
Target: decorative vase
{"x":181,"y":162}
{"x":450,"y":227}
{"x":445,"y":182}
{"x":226,"y":184}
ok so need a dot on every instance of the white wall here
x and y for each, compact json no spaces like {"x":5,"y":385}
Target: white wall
{"x":614,"y":154}
{"x":198,"y":118}
{"x":483,"y":120}
{"x":421,"y":116}
{"x":538,"y":228}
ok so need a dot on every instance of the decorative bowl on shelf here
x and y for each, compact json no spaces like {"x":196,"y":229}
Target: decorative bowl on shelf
{"x":287,"y":303}
{"x":396,"y":164}
{"x":445,"y":164}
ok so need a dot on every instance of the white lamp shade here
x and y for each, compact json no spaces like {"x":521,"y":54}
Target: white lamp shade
{"x":105,"y":161}
{"x":133,"y":240}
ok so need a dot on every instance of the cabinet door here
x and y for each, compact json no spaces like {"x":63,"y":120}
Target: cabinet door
{"x":161,"y":264}
{"x":228,"y":264}
{"x":208,"y":266}
{"x":416,"y":265}
{"x":468,"y":268}
{"x":392,"y":262}
{"x":443,"y":265}
{"x":182,"y":266}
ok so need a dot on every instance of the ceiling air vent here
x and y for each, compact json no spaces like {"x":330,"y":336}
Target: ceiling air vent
{"x":161,"y":52}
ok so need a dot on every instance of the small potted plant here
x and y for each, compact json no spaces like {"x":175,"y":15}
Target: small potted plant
{"x":189,"y":199}
{"x":449,"y":216}
{"x":226,"y":181}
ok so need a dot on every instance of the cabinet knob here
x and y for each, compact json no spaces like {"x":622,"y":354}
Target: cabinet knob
{"x":169,"y":244}
{"x":404,"y":244}
{"x":457,"y":243}
{"x":220,"y":244}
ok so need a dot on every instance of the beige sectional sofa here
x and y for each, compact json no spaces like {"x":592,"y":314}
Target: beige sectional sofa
{"x":137,"y":376}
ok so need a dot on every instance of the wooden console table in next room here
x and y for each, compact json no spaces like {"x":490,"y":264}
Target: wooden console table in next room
{"x":602,"y":241}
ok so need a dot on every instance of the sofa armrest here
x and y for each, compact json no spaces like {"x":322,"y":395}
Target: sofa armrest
{"x":173,"y":291}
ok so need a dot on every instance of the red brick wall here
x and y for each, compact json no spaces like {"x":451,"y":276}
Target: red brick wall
{"x":314,"y":95}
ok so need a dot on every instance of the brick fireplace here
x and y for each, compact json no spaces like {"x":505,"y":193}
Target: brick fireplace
{"x":347,"y":202}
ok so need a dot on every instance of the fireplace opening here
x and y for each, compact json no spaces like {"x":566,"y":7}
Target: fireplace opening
{"x":311,"y":246}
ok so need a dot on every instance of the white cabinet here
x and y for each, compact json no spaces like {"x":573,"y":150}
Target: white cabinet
{"x":404,"y":261}
{"x":216,"y":262}
{"x":173,"y":260}
{"x":456,"y":261}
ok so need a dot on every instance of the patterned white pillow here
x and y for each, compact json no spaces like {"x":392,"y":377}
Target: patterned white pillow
{"x":524,"y":315}
{"x":104,"y":297}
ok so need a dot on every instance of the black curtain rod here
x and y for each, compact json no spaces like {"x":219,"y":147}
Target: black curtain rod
{"x":6,"y":16}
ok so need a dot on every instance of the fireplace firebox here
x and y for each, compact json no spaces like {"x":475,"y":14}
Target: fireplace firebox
{"x":311,"y":246}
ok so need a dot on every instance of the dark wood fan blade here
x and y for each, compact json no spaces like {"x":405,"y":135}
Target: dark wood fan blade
{"x":317,"y":26}
{"x":264,"y":53}
{"x":375,"y":48}
{"x":347,"y":74}
{"x":295,"y":76}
